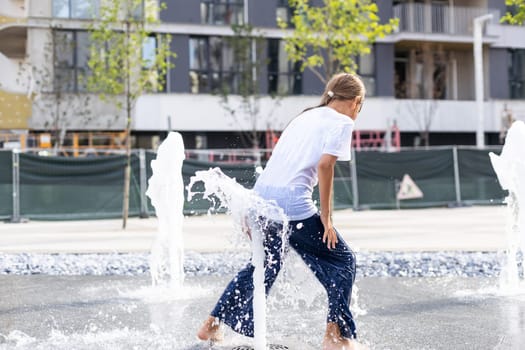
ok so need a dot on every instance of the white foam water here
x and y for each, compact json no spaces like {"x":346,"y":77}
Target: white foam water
{"x":251,"y":214}
{"x":510,"y":169}
{"x":166,"y":191}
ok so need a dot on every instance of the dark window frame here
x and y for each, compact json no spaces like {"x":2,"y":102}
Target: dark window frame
{"x":209,"y":12}
{"x":77,"y":86}
{"x":70,"y":7}
{"x":137,"y":15}
{"x":285,"y":5}
{"x":73,"y":67}
{"x":373,"y":75}
{"x":516,"y":69}
{"x":293,"y":75}
{"x":216,"y":80}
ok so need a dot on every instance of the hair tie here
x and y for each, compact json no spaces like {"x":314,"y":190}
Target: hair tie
{"x":330,"y":93}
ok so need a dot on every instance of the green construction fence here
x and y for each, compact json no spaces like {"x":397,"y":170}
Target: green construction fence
{"x":62,"y":188}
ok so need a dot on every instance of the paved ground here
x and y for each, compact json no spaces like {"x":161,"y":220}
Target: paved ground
{"x":119,"y":312}
{"x":63,"y":313}
{"x":469,"y":228}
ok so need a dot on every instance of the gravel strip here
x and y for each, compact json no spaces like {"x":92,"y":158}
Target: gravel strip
{"x":377,"y":264}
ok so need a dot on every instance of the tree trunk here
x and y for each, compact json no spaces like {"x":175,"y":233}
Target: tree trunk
{"x":56,"y":135}
{"x":127,"y":171}
{"x":127,"y":178}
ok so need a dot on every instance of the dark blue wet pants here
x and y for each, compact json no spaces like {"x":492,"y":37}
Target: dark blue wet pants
{"x":334,"y":268}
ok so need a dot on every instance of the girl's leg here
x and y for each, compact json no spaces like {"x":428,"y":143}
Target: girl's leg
{"x":334,"y":268}
{"x":235,"y":306}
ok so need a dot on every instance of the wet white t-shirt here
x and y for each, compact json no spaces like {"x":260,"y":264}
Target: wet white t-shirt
{"x":291,"y":173}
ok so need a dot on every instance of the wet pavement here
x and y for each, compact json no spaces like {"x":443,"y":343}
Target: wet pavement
{"x":72,"y":300}
{"x":125,"y":312}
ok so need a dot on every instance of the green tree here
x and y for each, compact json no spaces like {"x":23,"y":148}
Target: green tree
{"x":518,"y":15}
{"x":246,"y":47}
{"x":327,"y":39}
{"x":127,"y":59}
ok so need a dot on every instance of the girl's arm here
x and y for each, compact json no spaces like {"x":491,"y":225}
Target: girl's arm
{"x":325,"y":170}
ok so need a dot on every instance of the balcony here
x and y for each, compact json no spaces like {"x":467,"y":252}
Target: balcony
{"x":439,"y":19}
{"x":13,"y":28}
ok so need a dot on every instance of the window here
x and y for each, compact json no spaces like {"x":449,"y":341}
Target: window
{"x":284,"y":12}
{"x":284,"y":76}
{"x":212,"y":67}
{"x":89,"y":9}
{"x":424,"y":73}
{"x":222,"y":12}
{"x":80,"y":9}
{"x":401,"y":75}
{"x":71,"y":49}
{"x":71,"y":60}
{"x":517,"y":73}
{"x":149,"y":51}
{"x":366,"y":70}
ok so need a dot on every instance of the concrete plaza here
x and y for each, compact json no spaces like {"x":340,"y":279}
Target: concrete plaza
{"x":126,"y":312}
{"x":480,"y":228}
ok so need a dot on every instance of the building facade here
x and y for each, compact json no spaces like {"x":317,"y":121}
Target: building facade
{"x":419,"y":79}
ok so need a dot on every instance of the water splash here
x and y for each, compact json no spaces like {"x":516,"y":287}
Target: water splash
{"x":251,"y":214}
{"x":510,"y":169}
{"x":166,"y":191}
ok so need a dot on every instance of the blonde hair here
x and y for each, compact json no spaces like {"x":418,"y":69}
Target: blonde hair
{"x":342,"y":86}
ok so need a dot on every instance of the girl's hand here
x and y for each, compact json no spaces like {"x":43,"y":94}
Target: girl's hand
{"x":329,"y":236}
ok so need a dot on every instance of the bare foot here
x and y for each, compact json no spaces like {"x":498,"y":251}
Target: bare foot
{"x":334,"y":341}
{"x":343,"y":344}
{"x":210,"y":330}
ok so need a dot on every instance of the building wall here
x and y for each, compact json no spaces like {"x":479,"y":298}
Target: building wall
{"x":465,"y":71}
{"x":385,"y":8}
{"x":384,"y":68}
{"x":191,"y":112}
{"x":262,"y":13}
{"x":507,"y":36}
{"x":14,"y":78}
{"x":179,"y":80}
{"x":181,"y":11}
{"x":12,"y":8}
{"x":498,"y":5}
{"x":40,"y":8}
{"x":312,"y":85}
{"x":204,"y":113}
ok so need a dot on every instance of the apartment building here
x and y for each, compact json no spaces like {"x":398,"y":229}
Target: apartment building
{"x":420,"y":79}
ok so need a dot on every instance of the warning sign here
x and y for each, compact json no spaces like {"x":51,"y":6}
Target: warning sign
{"x":408,"y":189}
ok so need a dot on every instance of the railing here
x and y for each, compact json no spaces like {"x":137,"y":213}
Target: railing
{"x":76,"y":144}
{"x":455,"y":20}
{"x":91,"y":144}
{"x":231,"y":156}
{"x":374,"y":140}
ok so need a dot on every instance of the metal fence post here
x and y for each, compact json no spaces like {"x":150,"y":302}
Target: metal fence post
{"x":15,"y":218}
{"x":143,"y":185}
{"x":355,"y":193}
{"x":457,"y":183}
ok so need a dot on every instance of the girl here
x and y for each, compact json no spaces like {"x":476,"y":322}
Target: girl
{"x":304,"y":156}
